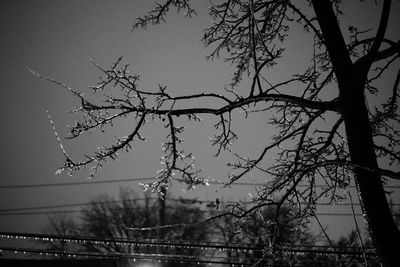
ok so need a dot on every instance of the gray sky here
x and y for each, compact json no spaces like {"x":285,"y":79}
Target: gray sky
{"x":55,"y":38}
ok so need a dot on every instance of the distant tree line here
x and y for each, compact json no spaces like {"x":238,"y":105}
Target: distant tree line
{"x":135,"y":218}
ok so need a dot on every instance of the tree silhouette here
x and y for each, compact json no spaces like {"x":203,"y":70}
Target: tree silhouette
{"x":260,"y":230}
{"x":329,"y":128}
{"x":64,"y":226}
{"x":296,"y":244}
{"x":111,"y":219}
{"x":106,"y":218}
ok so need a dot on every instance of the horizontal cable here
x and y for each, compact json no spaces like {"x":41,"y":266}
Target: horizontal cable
{"x":166,"y":257}
{"x":29,"y":210}
{"x":75,"y":183}
{"x":290,"y":248}
{"x":151,"y":178}
{"x":85,"y":210}
{"x":71,"y":205}
{"x":183,"y":200}
{"x":135,"y":256}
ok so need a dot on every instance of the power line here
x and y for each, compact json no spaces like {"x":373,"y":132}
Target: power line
{"x":86,"y":210}
{"x":182,"y":243}
{"x":153,"y":178}
{"x":301,"y":185}
{"x":231,"y":261}
{"x":183,"y":200}
{"x":138,"y":199}
{"x":115,"y":255}
{"x":292,"y":249}
{"x":40,"y":212}
{"x":70,"y":205}
{"x":76,"y":183}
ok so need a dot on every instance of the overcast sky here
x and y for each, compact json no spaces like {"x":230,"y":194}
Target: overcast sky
{"x":55,"y":38}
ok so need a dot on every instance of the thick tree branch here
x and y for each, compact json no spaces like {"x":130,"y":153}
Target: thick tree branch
{"x":381,"y":30}
{"x":388,"y":52}
{"x":333,"y":37}
{"x":314,"y":105}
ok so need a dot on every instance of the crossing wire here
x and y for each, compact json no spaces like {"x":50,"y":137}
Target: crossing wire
{"x":164,"y":257}
{"x":92,"y":182}
{"x":83,"y":210}
{"x":181,"y":242}
{"x":290,"y":248}
{"x":45,"y":209}
{"x":30,"y":210}
{"x":15,"y":186}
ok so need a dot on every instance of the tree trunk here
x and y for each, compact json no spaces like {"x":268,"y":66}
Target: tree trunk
{"x":378,"y":215}
{"x":351,"y":80}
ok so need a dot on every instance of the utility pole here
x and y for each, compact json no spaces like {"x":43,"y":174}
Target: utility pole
{"x":161,"y":211}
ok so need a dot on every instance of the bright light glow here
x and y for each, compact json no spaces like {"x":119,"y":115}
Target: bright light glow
{"x":147,"y":264}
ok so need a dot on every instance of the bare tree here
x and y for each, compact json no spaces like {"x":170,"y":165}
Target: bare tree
{"x":64,"y":226}
{"x":111,"y":219}
{"x":296,"y":244}
{"x":115,"y":220}
{"x":259,"y":231}
{"x":328,"y":127}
